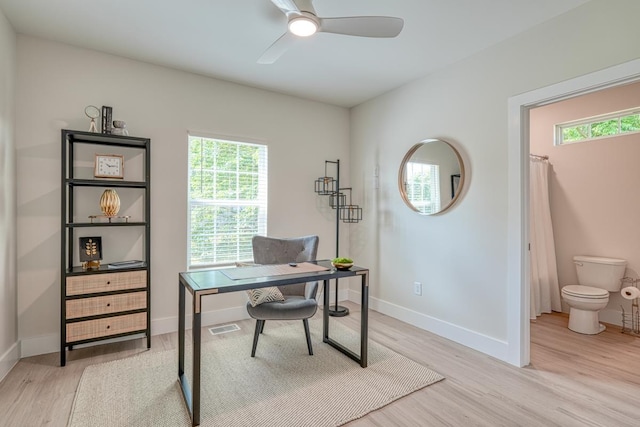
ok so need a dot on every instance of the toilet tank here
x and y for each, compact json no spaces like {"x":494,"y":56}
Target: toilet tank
{"x":600,"y":272}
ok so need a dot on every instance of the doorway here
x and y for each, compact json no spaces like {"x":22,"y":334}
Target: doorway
{"x":518,"y":192}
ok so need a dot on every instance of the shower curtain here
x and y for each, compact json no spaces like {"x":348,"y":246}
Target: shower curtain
{"x":545,"y":291}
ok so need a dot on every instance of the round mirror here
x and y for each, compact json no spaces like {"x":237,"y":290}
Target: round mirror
{"x":431,"y":176}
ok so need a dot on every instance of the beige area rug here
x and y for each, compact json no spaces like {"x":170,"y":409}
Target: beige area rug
{"x":281,"y":386}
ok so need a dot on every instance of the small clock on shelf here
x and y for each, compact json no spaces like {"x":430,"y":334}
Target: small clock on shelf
{"x":109,"y":166}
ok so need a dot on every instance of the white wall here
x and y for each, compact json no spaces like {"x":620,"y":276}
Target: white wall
{"x":592,"y":188}
{"x":55,"y":83}
{"x":461,"y":256}
{"x":9,"y":348}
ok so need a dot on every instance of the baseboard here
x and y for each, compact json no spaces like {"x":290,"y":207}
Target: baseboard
{"x":51,"y":343}
{"x":208,"y":318}
{"x":216,"y":317}
{"x":343,"y":295}
{"x":9,"y":359}
{"x":482,"y":343}
{"x":42,"y":344}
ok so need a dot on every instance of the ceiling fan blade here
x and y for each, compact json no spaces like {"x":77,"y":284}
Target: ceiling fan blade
{"x":286,"y":6}
{"x":280,"y":46}
{"x":363,"y":26}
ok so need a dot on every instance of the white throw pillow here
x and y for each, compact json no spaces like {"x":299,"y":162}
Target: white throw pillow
{"x":262,"y":295}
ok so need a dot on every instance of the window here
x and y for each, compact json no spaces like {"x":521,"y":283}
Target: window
{"x":227,"y":200}
{"x":423,"y":186}
{"x":602,"y":126}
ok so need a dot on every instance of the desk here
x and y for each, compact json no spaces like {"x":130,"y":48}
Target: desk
{"x":213,"y":282}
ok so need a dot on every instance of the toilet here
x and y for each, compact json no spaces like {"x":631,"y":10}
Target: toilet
{"x":597,"y":276}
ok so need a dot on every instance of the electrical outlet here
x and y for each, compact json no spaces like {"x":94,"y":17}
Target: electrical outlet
{"x":417,"y":288}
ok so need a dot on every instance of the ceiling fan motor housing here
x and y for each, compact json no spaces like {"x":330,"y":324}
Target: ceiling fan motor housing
{"x":303,"y":23}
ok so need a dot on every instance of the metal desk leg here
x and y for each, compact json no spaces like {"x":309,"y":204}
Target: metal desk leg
{"x":197,"y":339}
{"x":325,"y":311}
{"x":191,"y":395}
{"x":184,"y":382}
{"x":364,"y":324}
{"x":181,"y":331}
{"x":364,"y":320}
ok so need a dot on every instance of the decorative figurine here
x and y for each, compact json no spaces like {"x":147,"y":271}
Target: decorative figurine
{"x":90,"y":252}
{"x":120,"y":128}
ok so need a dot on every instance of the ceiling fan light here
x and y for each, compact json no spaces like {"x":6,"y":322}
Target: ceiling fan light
{"x":303,"y":27}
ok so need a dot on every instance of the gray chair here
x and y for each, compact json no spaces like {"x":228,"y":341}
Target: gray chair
{"x":299,"y":299}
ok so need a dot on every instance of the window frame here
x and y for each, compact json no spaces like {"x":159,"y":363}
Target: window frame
{"x":588,"y":121}
{"x":435,"y":200}
{"x":262,"y":201}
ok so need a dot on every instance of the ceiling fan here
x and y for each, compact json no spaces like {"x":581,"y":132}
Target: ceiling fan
{"x":303,"y":22}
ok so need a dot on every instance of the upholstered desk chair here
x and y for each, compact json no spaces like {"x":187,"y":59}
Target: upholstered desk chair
{"x":299,"y":299}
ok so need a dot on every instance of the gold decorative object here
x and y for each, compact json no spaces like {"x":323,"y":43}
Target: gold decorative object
{"x":90,"y":252}
{"x":110,"y":202}
{"x":95,"y":218}
{"x":91,"y":265}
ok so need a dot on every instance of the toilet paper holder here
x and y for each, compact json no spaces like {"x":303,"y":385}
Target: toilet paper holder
{"x":631,"y":321}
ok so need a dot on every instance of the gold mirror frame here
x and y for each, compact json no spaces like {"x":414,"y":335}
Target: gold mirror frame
{"x":402,"y":181}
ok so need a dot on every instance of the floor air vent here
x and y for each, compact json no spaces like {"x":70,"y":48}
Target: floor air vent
{"x":217,"y":330}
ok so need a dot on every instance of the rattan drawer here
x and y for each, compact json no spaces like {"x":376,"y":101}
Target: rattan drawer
{"x":94,"y":283}
{"x":106,"y":304}
{"x":97,"y":328}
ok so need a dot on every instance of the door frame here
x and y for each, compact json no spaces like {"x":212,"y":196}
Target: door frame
{"x":518,"y":331}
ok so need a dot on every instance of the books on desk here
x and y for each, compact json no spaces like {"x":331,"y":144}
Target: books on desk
{"x":126,"y":264}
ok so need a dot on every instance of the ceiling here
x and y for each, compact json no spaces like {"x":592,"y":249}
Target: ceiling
{"x":224,"y":38}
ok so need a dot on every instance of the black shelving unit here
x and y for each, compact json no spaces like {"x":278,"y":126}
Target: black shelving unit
{"x":103,"y":303}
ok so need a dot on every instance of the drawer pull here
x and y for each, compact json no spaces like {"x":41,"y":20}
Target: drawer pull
{"x":108,"y":326}
{"x":108,"y":282}
{"x":109,"y":304}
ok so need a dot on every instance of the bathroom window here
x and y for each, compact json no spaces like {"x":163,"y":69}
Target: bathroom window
{"x":227,"y":200}
{"x":603,"y":126}
{"x":423,"y":186}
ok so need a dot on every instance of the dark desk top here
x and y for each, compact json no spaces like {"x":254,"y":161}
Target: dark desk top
{"x":214,"y":281}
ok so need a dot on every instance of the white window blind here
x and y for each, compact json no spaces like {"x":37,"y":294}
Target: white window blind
{"x":423,"y":186}
{"x":227,"y":200}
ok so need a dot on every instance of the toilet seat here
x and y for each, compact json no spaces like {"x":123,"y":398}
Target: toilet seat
{"x":587,"y":292}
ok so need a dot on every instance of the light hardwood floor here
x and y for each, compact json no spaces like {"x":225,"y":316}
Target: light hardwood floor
{"x":574,"y":380}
